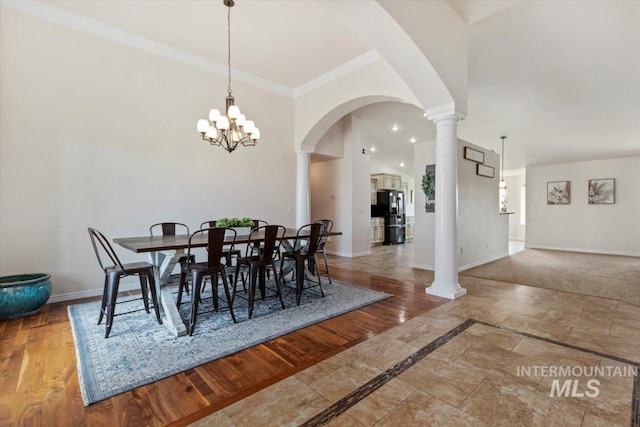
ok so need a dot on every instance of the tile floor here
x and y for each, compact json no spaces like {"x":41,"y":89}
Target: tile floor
{"x":476,"y":377}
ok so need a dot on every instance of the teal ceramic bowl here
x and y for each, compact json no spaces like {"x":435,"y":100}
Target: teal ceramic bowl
{"x":23,"y":294}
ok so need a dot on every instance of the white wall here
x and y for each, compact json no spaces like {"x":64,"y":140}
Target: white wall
{"x":483,"y":234}
{"x":340,"y":190}
{"x":482,"y":231}
{"x":318,"y":110}
{"x":379,"y":167}
{"x":514,"y":196}
{"x":423,"y":240}
{"x":579,"y":226}
{"x":93,"y":133}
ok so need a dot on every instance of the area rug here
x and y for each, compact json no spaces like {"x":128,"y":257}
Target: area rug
{"x":606,"y":276}
{"x":140,"y":351}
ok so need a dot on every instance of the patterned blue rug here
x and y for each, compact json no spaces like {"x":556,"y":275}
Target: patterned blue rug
{"x":140,"y":351}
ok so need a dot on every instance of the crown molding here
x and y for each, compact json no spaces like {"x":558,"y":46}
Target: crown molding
{"x":338,"y":72}
{"x":98,"y":29}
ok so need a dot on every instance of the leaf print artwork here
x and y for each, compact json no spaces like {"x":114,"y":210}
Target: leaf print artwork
{"x":559,"y":193}
{"x":601,"y":191}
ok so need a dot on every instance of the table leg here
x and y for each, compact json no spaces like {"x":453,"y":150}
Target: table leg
{"x":163,"y":264}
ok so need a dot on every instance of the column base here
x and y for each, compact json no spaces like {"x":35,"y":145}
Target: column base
{"x":446,"y":293}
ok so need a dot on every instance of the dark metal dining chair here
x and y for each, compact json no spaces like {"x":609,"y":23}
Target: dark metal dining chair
{"x":171,"y":229}
{"x":113,"y":274}
{"x":212,"y":267}
{"x":311,"y":234}
{"x":321,"y":246}
{"x":227,"y":254}
{"x":257,"y":264}
{"x":256,"y":246}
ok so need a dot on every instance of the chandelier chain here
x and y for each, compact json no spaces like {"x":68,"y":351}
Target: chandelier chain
{"x":229,"y":46}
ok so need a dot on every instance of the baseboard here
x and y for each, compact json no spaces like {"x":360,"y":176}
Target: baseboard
{"x":590,"y":251}
{"x":90,"y":293}
{"x":482,"y":261}
{"x":348,"y":255}
{"x":423,"y":267}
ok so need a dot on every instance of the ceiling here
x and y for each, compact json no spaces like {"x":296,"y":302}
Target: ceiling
{"x":559,"y":79}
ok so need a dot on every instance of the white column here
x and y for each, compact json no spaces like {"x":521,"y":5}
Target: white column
{"x":445,"y":282}
{"x":303,"y":198}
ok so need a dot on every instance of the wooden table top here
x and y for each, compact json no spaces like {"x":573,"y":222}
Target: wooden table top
{"x":181,"y":241}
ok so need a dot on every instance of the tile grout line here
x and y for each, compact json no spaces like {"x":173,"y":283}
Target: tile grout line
{"x":635,"y":403}
{"x":365,"y":390}
{"x":374,"y":384}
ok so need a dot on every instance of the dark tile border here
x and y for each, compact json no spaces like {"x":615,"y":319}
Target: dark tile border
{"x":365,"y":390}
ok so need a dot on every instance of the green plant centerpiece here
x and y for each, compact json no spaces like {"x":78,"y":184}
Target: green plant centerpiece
{"x":429,"y":184}
{"x":234,"y":222}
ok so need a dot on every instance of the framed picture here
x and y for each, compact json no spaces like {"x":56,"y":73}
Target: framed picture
{"x":484,"y":170}
{"x":602,"y":191}
{"x":559,"y":192}
{"x":473,"y":155}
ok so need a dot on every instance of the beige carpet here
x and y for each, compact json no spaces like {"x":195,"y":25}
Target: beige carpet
{"x":608,"y":276}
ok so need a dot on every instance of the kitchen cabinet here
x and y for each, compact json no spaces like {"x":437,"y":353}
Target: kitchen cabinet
{"x":374,"y":191}
{"x":387,"y":181}
{"x":410,"y":230}
{"x":377,"y":231}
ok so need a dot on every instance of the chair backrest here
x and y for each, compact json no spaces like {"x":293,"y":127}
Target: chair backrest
{"x":208,"y":224}
{"x":169,"y":228}
{"x":215,"y":243}
{"x":313,"y":234}
{"x":259,"y":223}
{"x":328,"y":223}
{"x":101,"y":244}
{"x":272,"y":237}
{"x":328,"y":227}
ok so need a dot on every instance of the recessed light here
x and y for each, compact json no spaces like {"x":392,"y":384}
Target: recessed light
{"x":412,"y":139}
{"x":395,"y":128}
{"x":424,"y":114}
{"x":401,"y":164}
{"x":372,"y":148}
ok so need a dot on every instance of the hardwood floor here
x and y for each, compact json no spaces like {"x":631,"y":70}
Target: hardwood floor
{"x":39,"y":380}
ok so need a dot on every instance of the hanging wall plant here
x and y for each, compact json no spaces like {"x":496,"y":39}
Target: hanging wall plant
{"x":429,"y":188}
{"x":429,"y":184}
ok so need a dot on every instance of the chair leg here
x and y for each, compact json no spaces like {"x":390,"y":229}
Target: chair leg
{"x":195,"y":299}
{"x":235,"y":283}
{"x":154,"y":295}
{"x":262,"y":282}
{"x":225,"y":284}
{"x":144,"y":289}
{"x":326,"y":265}
{"x":183,"y":285}
{"x":105,"y":292}
{"x":214,"y":288}
{"x":319,"y":278}
{"x":253,"y":278}
{"x":114,"y":281}
{"x":299,"y":278}
{"x":275,"y":276}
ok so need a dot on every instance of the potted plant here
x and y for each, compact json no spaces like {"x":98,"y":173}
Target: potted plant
{"x":241,"y":225}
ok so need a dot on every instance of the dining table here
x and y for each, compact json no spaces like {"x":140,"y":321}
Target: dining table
{"x":165,"y":251}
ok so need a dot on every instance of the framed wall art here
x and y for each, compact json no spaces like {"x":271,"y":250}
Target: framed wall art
{"x":484,"y":170}
{"x":559,"y":192}
{"x":602,"y":191}
{"x":473,"y":155}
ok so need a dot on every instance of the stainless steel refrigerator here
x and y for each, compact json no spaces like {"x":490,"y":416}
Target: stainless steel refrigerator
{"x":391,"y":206}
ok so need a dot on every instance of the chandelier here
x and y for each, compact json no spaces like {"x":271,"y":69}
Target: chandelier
{"x":232,"y":128}
{"x":503,"y":185}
